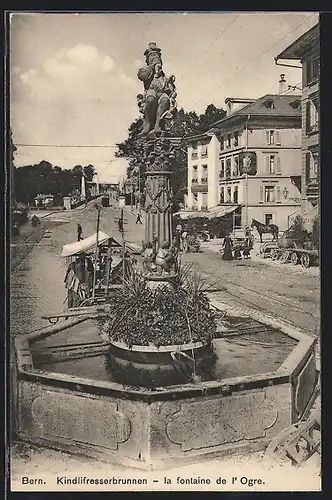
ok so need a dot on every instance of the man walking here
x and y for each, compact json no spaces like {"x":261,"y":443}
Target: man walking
{"x":79,"y":232}
{"x":138,"y":218}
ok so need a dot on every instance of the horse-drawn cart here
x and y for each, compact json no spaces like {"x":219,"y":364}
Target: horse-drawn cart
{"x":295,"y":255}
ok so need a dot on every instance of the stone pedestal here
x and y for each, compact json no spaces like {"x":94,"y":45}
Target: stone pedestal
{"x":158,"y":217}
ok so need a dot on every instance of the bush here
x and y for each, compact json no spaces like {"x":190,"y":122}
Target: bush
{"x":164,"y":315}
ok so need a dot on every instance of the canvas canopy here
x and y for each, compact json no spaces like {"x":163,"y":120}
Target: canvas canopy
{"x":213,"y":213}
{"x":85,"y":245}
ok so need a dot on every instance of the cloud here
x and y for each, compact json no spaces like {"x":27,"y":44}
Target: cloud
{"x":77,"y":96}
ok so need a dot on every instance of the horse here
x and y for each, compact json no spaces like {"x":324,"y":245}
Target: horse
{"x":262,"y":228}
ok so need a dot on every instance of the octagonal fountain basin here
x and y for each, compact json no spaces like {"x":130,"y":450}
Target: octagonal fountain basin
{"x":77,"y":393}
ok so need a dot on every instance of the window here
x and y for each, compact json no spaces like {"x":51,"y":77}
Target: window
{"x":272,"y":137}
{"x":269,"y":103}
{"x":311,"y":117}
{"x":295,"y":104}
{"x":229,"y":195}
{"x":236,"y":194}
{"x":269,"y":194}
{"x":236,"y":139}
{"x":272,"y":165}
{"x":312,"y":69}
{"x":222,"y":195}
{"x":228,"y":140}
{"x":194,"y":179}
{"x":228,"y":167}
{"x":194,"y":150}
{"x":236,"y":166}
{"x":204,"y":150}
{"x":268,"y":219}
{"x":204,"y":174}
{"x":222,"y":169}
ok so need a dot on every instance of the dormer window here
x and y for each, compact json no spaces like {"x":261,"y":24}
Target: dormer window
{"x":295,"y":104}
{"x":269,"y":103}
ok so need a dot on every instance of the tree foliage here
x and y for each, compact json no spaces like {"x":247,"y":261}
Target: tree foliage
{"x":185,"y":124}
{"x":44,"y":178}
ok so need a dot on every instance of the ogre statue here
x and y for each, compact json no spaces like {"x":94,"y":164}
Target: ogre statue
{"x":159,"y":99}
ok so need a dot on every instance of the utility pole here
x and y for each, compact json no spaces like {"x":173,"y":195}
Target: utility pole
{"x":96,"y":252}
{"x":246,"y":176}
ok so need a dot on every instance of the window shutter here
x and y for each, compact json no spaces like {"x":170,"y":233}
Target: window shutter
{"x":307,"y":117}
{"x":278,"y":137}
{"x":278,"y":193}
{"x":267,"y":136}
{"x":307,"y":165}
{"x":267,"y":164}
{"x":278,"y":166}
{"x":261,"y":193}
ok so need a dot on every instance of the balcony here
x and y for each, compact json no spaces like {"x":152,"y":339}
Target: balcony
{"x":194,"y":155}
{"x":194,"y":181}
{"x":204,"y":154}
{"x":313,"y":188}
{"x":204,"y":208}
{"x":200,"y":187}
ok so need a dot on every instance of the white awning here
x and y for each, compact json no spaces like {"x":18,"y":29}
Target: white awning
{"x":212,"y":213}
{"x":84,"y":245}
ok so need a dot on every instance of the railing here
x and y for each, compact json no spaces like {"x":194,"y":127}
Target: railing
{"x":312,"y":128}
{"x":204,"y":208}
{"x":204,"y":154}
{"x":194,"y":181}
{"x":194,"y":154}
{"x":204,"y":180}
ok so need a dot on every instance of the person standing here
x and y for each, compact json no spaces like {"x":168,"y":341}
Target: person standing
{"x":228,"y":248}
{"x":79,"y":232}
{"x":184,"y":237}
{"x":138,"y":218}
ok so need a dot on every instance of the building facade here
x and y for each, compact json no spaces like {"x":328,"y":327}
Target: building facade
{"x":203,"y":158}
{"x":306,"y":50}
{"x":268,"y":132}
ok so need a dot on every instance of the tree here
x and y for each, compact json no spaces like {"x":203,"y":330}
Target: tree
{"x":89,"y":172}
{"x":185,"y":124}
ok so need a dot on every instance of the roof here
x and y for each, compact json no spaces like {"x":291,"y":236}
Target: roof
{"x":239,"y":99}
{"x":281,"y":108}
{"x":296,"y":49}
{"x":213,"y":213}
{"x":84,"y":245}
{"x":206,"y":135}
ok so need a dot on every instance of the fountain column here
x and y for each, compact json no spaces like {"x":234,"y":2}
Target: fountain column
{"x":158,"y":106}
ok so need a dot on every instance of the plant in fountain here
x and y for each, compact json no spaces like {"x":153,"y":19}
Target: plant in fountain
{"x":174,"y":314}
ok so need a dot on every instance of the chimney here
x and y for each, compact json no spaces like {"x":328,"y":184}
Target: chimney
{"x":282,"y":84}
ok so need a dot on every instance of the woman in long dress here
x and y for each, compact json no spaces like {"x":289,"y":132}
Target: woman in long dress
{"x":228,"y":248}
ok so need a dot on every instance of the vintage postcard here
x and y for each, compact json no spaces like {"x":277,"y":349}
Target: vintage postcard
{"x":164,"y":175}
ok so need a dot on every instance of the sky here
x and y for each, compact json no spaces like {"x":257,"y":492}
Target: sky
{"x":73,"y":77}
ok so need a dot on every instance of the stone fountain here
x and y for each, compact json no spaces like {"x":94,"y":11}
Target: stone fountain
{"x":75,"y":396}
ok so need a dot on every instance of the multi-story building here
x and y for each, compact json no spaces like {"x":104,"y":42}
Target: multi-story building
{"x":203,"y":157}
{"x":268,"y":131}
{"x":306,"y":50}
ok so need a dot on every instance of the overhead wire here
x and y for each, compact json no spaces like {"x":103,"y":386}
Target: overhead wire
{"x":208,"y":48}
{"x":253,"y":61}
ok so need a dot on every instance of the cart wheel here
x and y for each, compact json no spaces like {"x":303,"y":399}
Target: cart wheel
{"x":305,"y":260}
{"x":274,"y":254}
{"x":294,"y":258}
{"x":284,"y":257}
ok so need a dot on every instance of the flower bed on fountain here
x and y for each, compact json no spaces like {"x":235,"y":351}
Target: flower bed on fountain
{"x":161,"y":335}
